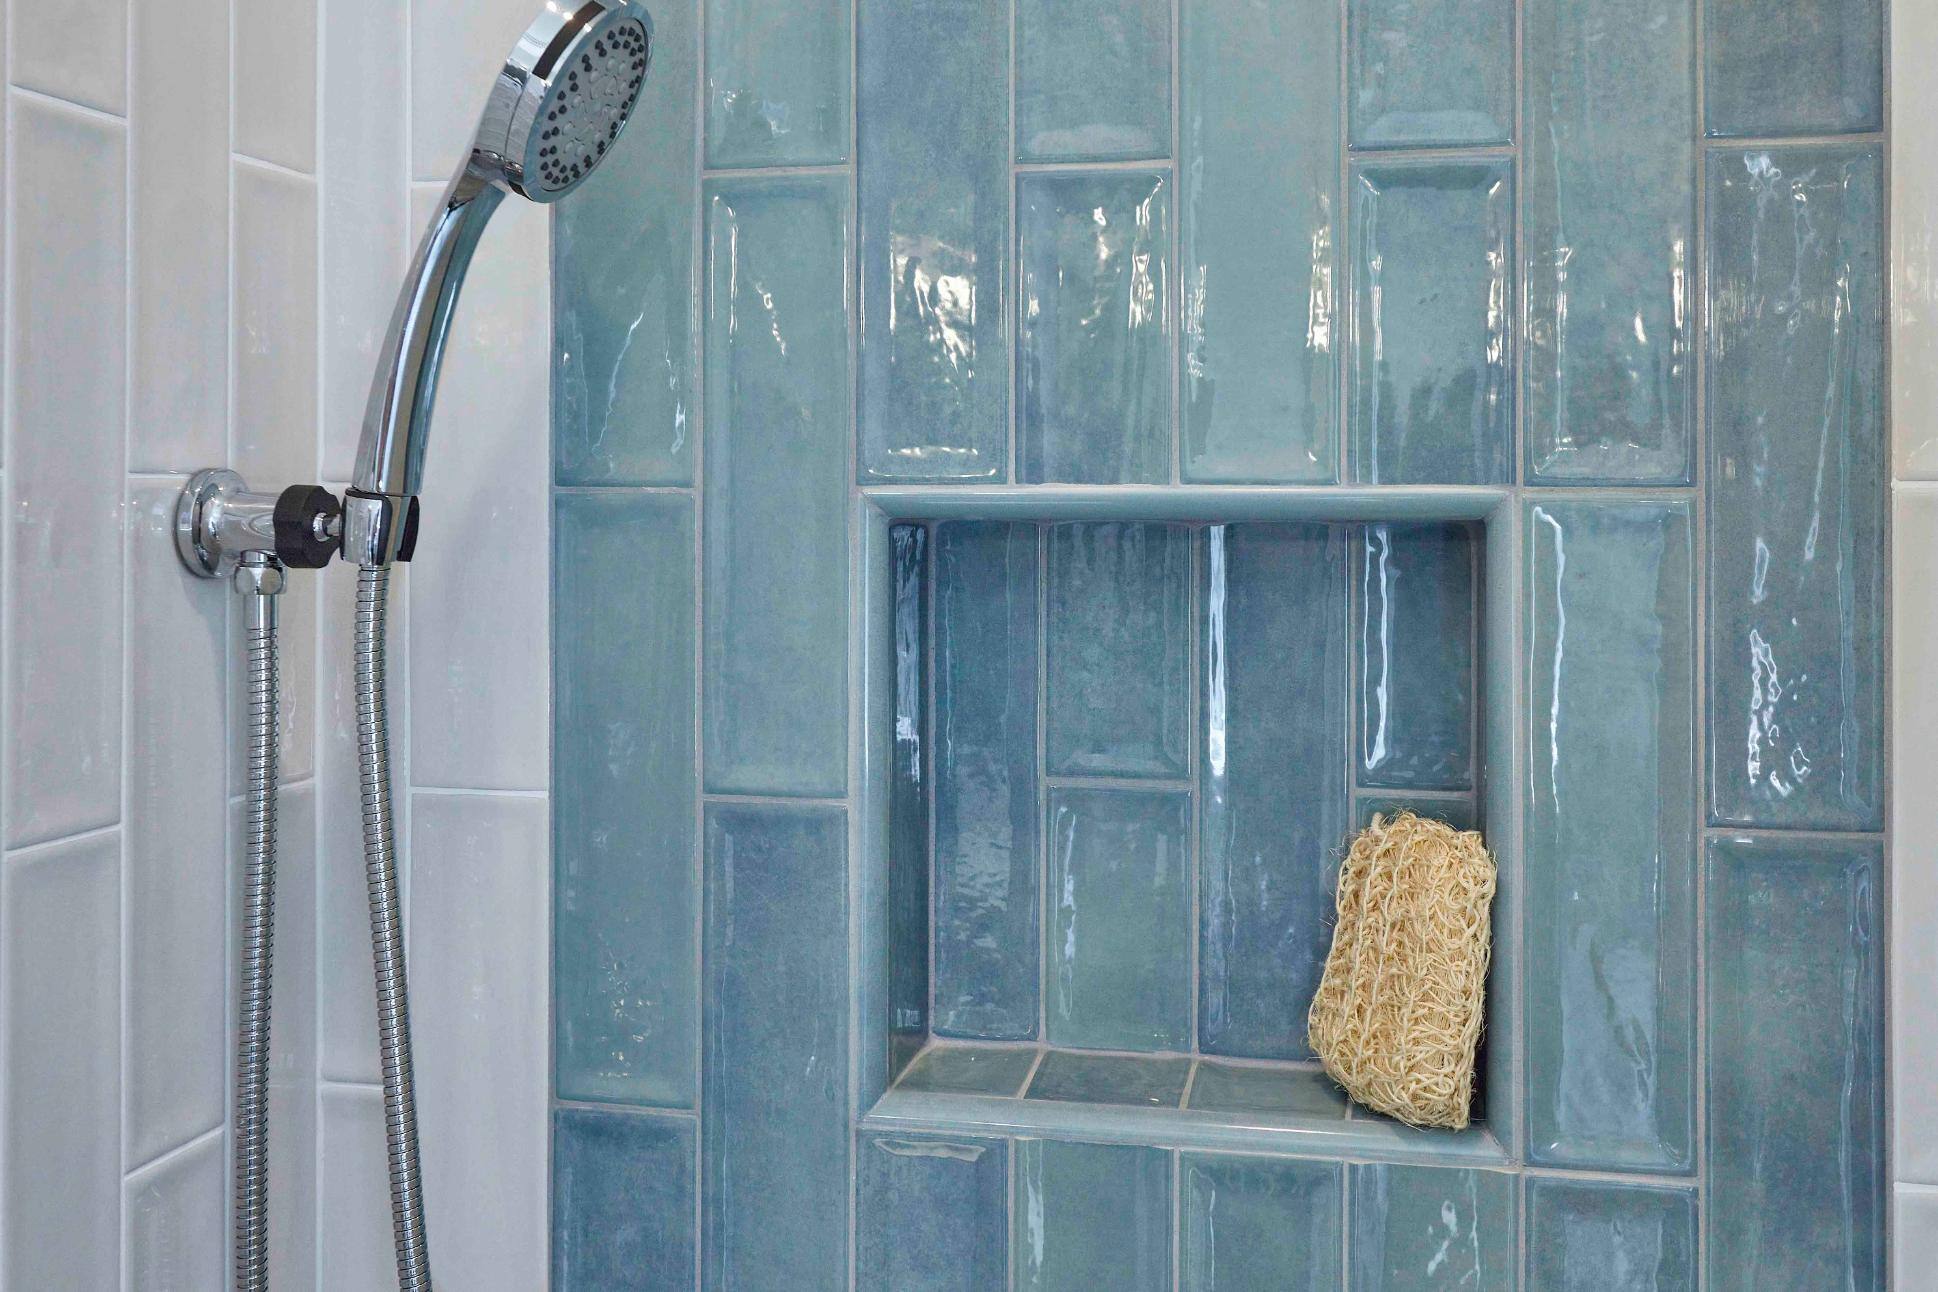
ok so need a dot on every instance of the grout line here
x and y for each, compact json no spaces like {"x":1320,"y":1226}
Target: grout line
{"x":1152,"y":785}
{"x":1045,"y":819}
{"x":825,"y":170}
{"x":727,"y":798}
{"x":169,"y":1156}
{"x":1341,"y":265}
{"x":1855,"y":140}
{"x":42,"y":97}
{"x":931,"y":631}
{"x":1078,"y":166}
{"x":1195,"y":729}
{"x":1380,"y":156}
{"x":616,"y":1109}
{"x":1783,"y":832}
{"x":625,"y":490}
{"x":701,"y":287}
{"x":1172,"y":297}
{"x":463,"y":791}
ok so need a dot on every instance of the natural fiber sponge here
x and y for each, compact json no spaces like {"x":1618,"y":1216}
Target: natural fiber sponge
{"x":1397,"y":1015}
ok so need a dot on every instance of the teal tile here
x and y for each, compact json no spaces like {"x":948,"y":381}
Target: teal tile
{"x":1259,"y":219}
{"x":1416,"y":639}
{"x":988,"y":959}
{"x":1068,"y":1076}
{"x":625,"y":993}
{"x":1610,"y":234}
{"x":1433,"y":1229}
{"x":933,"y":237}
{"x":1797,"y":471}
{"x":624,"y":383}
{"x":1593,"y":1237}
{"x":775,"y":1113}
{"x":776,"y":487}
{"x":1237,"y":1088}
{"x":778,"y":82}
{"x":1461,"y":814}
{"x":1795,"y":1001}
{"x":1118,"y":646}
{"x":1431,"y":359}
{"x":1432,"y":72}
{"x":1801,"y":67}
{"x":1095,"y":342}
{"x":1120,"y":871}
{"x":931,"y":1213}
{"x":622,"y":1201}
{"x":971,"y":1070}
{"x":1274,"y":780}
{"x":1093,"y":80}
{"x":1610,"y":834}
{"x":910,"y":863}
{"x":1092,"y":1216}
{"x":1259,"y":1225}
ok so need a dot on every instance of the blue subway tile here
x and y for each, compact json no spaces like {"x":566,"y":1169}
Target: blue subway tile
{"x":1071,"y":1076}
{"x":1093,"y":79}
{"x":775,"y":1111}
{"x":778,"y":82}
{"x":1416,"y":656}
{"x":909,"y":861}
{"x":776,"y":477}
{"x":931,"y":1213}
{"x":622,"y":1201}
{"x":627,"y":889}
{"x":1796,"y":488}
{"x":1461,"y":814}
{"x":1801,"y":67}
{"x":987,"y":816}
{"x":934,"y":240}
{"x":1432,"y":292}
{"x":1242,"y":1088}
{"x":1274,"y":780}
{"x":1092,"y":1216}
{"x":1795,"y":1001}
{"x":1611,"y":210}
{"x":997,"y":1070}
{"x":1586,"y":1236}
{"x":1120,"y":872}
{"x":1259,"y":219}
{"x":1095,"y":346}
{"x":1259,"y":1225}
{"x":1433,"y":1229}
{"x":1432,"y":72}
{"x":1610,"y":834}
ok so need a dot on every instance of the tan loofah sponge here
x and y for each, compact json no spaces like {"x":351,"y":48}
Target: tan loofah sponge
{"x":1397,"y":1015}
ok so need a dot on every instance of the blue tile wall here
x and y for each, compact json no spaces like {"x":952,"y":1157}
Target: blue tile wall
{"x":779,"y":78}
{"x":934,"y":1215}
{"x":1075,"y":1077}
{"x":1804,"y":67}
{"x":1417,"y":1228}
{"x":1251,"y":1224}
{"x":1092,"y":1215}
{"x":972,"y":1069}
{"x":1432,"y":72}
{"x":622,"y":1186}
{"x":1415,"y":639}
{"x":1587,"y":1236}
{"x":1093,"y":79}
{"x":1243,"y":1088}
{"x":908,"y":807}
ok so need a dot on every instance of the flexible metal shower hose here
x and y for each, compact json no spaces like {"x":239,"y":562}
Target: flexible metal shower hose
{"x":258,"y":926}
{"x":387,"y":936}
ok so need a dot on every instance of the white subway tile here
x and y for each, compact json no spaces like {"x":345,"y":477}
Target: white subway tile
{"x":1914,"y":245}
{"x":275,"y":327}
{"x":75,"y":49}
{"x":457,"y":47}
{"x":275,"y":82}
{"x":175,"y":1221}
{"x":1914,"y":834}
{"x":1915,"y":1226}
{"x":355,"y":1207}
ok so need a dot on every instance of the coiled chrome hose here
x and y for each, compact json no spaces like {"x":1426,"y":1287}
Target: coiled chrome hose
{"x":259,"y":587}
{"x":387,"y":935}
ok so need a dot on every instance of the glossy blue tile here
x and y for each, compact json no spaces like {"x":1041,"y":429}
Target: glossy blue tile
{"x":622,"y":1201}
{"x":1071,"y":1076}
{"x":933,"y":234}
{"x":627,"y":892}
{"x":1095,"y":342}
{"x":1795,"y":1000}
{"x":1432,"y":291}
{"x":1120,"y":872}
{"x":1241,"y":1088}
{"x":1610,"y":234}
{"x":778,"y":90}
{"x":1432,"y":72}
{"x":1416,"y":639}
{"x":624,"y":392}
{"x":1594,"y":1237}
{"x":1274,"y":780}
{"x":1260,"y":134}
{"x":1801,"y":67}
{"x":1093,"y":79}
{"x":1461,"y":814}
{"x":987,"y":817}
{"x":998,"y":1070}
{"x":1433,"y":1229}
{"x":1092,"y":1216}
{"x":1796,"y":488}
{"x":1609,"y":841}
{"x":1118,"y":646}
{"x":931,"y":1213}
{"x":1258,"y":1225}
{"x":776,"y":487}
{"x":909,"y":861}
{"x":775,"y":1112}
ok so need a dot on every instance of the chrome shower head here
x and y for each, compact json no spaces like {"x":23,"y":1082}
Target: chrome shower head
{"x":565,"y":94}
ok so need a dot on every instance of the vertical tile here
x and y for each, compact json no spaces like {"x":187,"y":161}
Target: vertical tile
{"x":1432,"y":346}
{"x":60,"y":1109}
{"x":774,"y":1122}
{"x":987,"y":816}
{"x":1416,"y":656}
{"x":1914,"y":251}
{"x":1594,"y":1237}
{"x":1120,"y":873}
{"x":455,"y":47}
{"x":625,"y":287}
{"x":625,"y":998}
{"x":777,"y":465}
{"x":1275,"y":809}
{"x":1796,"y":489}
{"x":1425,"y":1229}
{"x":1914,"y":839}
{"x":1915,"y":1233}
{"x":1253,"y":1223}
{"x":910,"y":863}
{"x":275,"y":326}
{"x":1118,"y":648}
{"x":1095,"y":345}
{"x":75,"y":50}
{"x":353,"y":1206}
{"x":1432,"y":72}
{"x":1805,"y":67}
{"x":68,"y":420}
{"x":1092,"y":1215}
{"x":934,"y":240}
{"x":1795,"y":1001}
{"x":622,"y":1206}
{"x":175,"y":1221}
{"x":275,"y":82}
{"x":778,"y":89}
{"x":1610,"y":239}
{"x":1093,"y":81}
{"x":293,"y":1111}
{"x":931,"y":1214}
{"x":1610,"y":844}
{"x":1259,"y":128}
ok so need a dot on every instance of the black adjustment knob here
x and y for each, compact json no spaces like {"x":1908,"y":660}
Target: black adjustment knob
{"x":309,"y":527}
{"x":407,"y":544}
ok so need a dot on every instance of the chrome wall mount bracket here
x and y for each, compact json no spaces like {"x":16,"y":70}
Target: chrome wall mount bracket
{"x":218,"y":521}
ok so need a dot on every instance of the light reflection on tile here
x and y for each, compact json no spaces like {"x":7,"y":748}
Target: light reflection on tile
{"x":909,"y":861}
{"x":1072,"y":1076}
{"x":1416,"y":656}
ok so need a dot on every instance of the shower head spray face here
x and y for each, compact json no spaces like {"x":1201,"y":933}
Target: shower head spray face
{"x":567,"y":91}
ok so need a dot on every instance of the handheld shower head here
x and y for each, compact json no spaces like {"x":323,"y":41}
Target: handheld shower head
{"x":554,"y":113}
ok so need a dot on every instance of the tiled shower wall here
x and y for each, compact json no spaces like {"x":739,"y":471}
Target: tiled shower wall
{"x":1619,"y":260}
